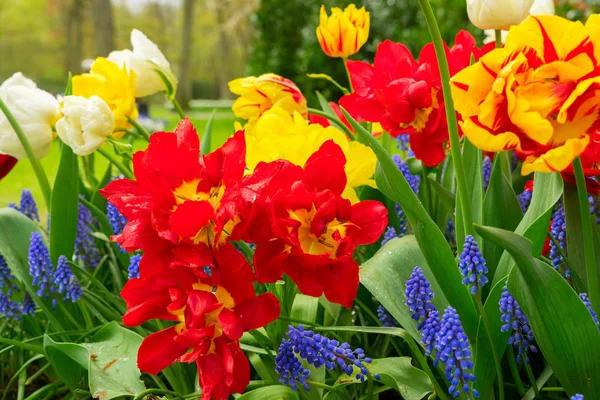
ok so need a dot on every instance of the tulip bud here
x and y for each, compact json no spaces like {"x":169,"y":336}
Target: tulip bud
{"x":7,"y":163}
{"x":539,"y":7}
{"x":152,"y":69}
{"x":501,"y":14}
{"x":344,"y":32}
{"x":35,"y":111}
{"x":86,"y":123}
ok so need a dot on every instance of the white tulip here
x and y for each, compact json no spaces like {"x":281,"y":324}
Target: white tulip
{"x":86,"y":123}
{"x":34,"y":109}
{"x":148,"y":62}
{"x":539,"y":7}
{"x":498,"y":14}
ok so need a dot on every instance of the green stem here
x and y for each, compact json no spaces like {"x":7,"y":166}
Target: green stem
{"x":110,"y":157}
{"x":141,"y":130}
{"x":416,"y":352}
{"x":514,"y":369}
{"x":339,"y":124}
{"x":588,"y":235}
{"x":345,"y":61}
{"x":498,"y":38}
{"x":536,"y":391}
{"x":246,"y":250}
{"x":328,"y":387}
{"x":459,"y":168}
{"x":178,"y":108}
{"x":142,"y":395}
{"x":497,"y":360}
{"x":35,"y":163}
{"x":370,"y":387}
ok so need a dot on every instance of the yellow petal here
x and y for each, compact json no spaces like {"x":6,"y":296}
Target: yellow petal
{"x":556,"y":159}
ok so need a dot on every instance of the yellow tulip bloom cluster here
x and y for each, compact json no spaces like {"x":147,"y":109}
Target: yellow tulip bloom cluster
{"x":344,"y":32}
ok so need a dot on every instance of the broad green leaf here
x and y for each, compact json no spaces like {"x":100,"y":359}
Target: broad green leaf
{"x":561,"y":323}
{"x":436,"y":250}
{"x":15,"y":235}
{"x":447,"y":198}
{"x":305,"y":308}
{"x":485,"y":367}
{"x":332,"y":117}
{"x":534,"y":225}
{"x":63,"y":209}
{"x":398,"y":373}
{"x":501,"y":210}
{"x":258,"y":361}
{"x":472,"y":161}
{"x":385,"y":276}
{"x":275,"y":392}
{"x":69,"y":361}
{"x":206,"y":138}
{"x":113,"y":370}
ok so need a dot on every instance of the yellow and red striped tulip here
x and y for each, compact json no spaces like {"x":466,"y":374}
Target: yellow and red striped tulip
{"x":539,"y":94}
{"x":343,"y":33}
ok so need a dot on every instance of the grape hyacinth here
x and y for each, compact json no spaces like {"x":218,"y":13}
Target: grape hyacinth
{"x":486,"y":170}
{"x":413,"y":180}
{"x":516,"y":322}
{"x":116,"y":219}
{"x":85,"y":244}
{"x":318,"y":350}
{"x":9,"y":308}
{"x":403,"y":142}
{"x":390,"y":233}
{"x":450,"y":233}
{"x":134,"y":266}
{"x":418,"y":295}
{"x":472,"y":265}
{"x":289,"y":368}
{"x":577,"y":397}
{"x":430,"y":329}
{"x":453,"y":348}
{"x":66,"y":282}
{"x":40,"y":265}
{"x":525,"y":199}
{"x":584,"y":297}
{"x":28,"y":307}
{"x":6,"y":277}
{"x":558,"y":230}
{"x":27,"y":206}
{"x":385,"y":318}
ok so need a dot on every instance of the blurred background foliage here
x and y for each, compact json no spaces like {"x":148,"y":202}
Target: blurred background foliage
{"x":227,"y":38}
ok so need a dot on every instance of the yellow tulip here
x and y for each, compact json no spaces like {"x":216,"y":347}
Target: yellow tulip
{"x":279,"y":135}
{"x":343,"y":33}
{"x":113,"y":84}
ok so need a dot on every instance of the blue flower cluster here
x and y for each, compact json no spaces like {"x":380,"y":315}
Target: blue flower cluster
{"x":86,"y":249}
{"x":385,"y":318}
{"x":117,"y":221}
{"x":486,"y":170}
{"x":10,"y":308}
{"x":27,"y":206}
{"x":450,"y":233}
{"x":389,"y":234}
{"x":516,"y":322}
{"x":46,"y":278}
{"x":317,"y":350}
{"x":418,"y":296}
{"x":584,"y":297}
{"x":134,"y":266}
{"x":472,"y":265}
{"x":558,"y":230}
{"x":403,"y":142}
{"x":577,"y":397}
{"x":525,"y":199}
{"x":594,"y":207}
{"x":429,"y":330}
{"x":452,"y":345}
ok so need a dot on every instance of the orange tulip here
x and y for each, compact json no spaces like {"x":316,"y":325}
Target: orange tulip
{"x":343,"y":33}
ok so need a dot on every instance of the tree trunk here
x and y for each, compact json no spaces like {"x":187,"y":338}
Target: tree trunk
{"x":74,"y":36}
{"x":222,"y":50}
{"x":103,"y":27}
{"x":184,"y":89}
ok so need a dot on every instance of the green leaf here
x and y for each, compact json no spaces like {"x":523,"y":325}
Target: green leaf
{"x":473,"y":164}
{"x":561,"y":323}
{"x":501,"y":210}
{"x":436,"y":250}
{"x":385,"y":276}
{"x":534,"y":225}
{"x":447,"y":198}
{"x":305,"y":308}
{"x":206,"y":138}
{"x":485,"y":367}
{"x":397,"y":373}
{"x":63,"y":209}
{"x":113,"y":370}
{"x":333,"y":118}
{"x":15,"y":236}
{"x":275,"y":392}
{"x":121,"y":148}
{"x":70,"y":362}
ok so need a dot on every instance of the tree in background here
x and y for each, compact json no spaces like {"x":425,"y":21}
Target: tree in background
{"x":104,"y":31}
{"x":184,"y":90}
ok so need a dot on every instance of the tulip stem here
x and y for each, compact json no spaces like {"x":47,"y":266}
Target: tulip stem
{"x":345,"y":61}
{"x":332,"y":118}
{"x":178,"y":108}
{"x":459,"y":168}
{"x":110,"y":157}
{"x":498,"y":33}
{"x":497,"y":359}
{"x":35,"y":163}
{"x":140,"y":129}
{"x":588,"y":235}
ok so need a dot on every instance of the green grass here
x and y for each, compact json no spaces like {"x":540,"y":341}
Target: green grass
{"x":22,"y":176}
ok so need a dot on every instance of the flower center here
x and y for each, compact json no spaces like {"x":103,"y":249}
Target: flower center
{"x":326,"y":241}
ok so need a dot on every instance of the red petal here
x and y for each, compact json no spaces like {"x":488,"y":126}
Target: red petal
{"x":190,"y":217}
{"x":363,"y":108}
{"x":7,"y":163}
{"x":325,"y":168}
{"x":346,"y":278}
{"x":146,"y":299}
{"x":159,"y":350}
{"x":369,"y":219}
{"x":231,"y":324}
{"x":269,"y":259}
{"x":258,"y":311}
{"x":361,"y":75}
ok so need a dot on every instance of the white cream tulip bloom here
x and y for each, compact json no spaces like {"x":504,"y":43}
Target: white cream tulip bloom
{"x":34,"y":109}
{"x":86,"y":123}
{"x":498,"y":14}
{"x":539,"y":7}
{"x":148,"y":63}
